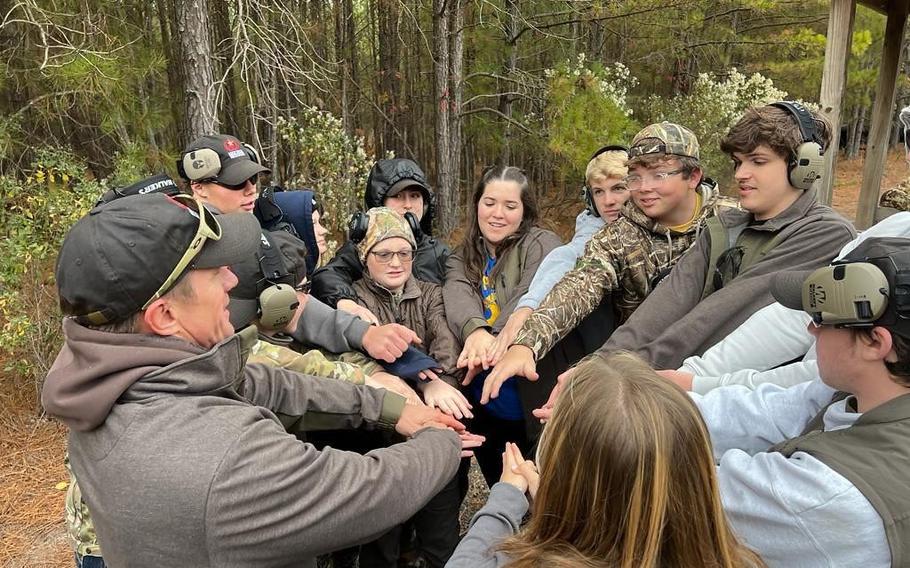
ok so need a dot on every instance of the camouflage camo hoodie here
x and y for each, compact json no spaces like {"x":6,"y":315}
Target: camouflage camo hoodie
{"x":624,"y":256}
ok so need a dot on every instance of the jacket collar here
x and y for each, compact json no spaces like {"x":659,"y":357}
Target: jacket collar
{"x":411,"y":289}
{"x":797,"y":210}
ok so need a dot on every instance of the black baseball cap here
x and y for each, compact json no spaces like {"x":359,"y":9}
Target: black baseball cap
{"x":252,"y":278}
{"x":123,"y":253}
{"x":219,"y":158}
{"x":869,"y":286}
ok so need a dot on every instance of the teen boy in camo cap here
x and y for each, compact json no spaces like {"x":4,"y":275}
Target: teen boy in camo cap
{"x":671,"y":199}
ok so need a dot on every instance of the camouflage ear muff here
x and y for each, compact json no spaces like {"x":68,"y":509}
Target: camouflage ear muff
{"x":806,"y":167}
{"x":586,"y":192}
{"x":850,"y":295}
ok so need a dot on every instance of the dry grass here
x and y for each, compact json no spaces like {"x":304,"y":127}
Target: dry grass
{"x":31,"y":448}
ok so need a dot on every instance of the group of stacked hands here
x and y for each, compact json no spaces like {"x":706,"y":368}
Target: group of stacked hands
{"x":213,"y":360}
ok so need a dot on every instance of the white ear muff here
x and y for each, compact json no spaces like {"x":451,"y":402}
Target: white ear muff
{"x":201,"y":164}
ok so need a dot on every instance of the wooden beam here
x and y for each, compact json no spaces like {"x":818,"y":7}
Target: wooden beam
{"x":834,"y":78}
{"x":877,"y":145}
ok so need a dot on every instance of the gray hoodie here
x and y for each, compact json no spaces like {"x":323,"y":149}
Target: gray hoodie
{"x":183,"y":460}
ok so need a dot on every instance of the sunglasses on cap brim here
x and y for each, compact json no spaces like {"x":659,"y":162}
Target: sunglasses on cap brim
{"x":208,"y":229}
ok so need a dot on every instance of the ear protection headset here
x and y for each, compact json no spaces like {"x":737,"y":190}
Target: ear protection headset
{"x":205,"y":163}
{"x":806,"y":166}
{"x":586,"y":192}
{"x":360,"y":222}
{"x":278,"y":302}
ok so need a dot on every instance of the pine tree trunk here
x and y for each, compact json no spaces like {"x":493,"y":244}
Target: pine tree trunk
{"x":505,"y":100}
{"x":448,"y":211}
{"x":457,"y":86}
{"x":200,"y":116}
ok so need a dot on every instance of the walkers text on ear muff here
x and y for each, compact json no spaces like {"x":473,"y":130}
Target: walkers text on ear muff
{"x":808,"y":163}
{"x":360,"y":222}
{"x":586,"y":194}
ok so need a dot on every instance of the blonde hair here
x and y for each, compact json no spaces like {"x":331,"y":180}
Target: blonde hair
{"x":611,"y":163}
{"x":627,"y":478}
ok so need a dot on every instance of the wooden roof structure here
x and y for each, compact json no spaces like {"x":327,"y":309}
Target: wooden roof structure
{"x":837,"y":53}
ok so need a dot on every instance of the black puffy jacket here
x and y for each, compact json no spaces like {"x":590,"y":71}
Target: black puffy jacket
{"x":335,"y":281}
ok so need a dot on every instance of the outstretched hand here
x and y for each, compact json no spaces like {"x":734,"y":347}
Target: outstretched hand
{"x":388,"y":342}
{"x":473,"y":356}
{"x":518,"y":361}
{"x":545,"y":412}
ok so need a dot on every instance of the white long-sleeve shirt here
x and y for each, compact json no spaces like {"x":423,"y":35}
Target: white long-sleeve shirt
{"x":756,"y":351}
{"x":793,"y":511}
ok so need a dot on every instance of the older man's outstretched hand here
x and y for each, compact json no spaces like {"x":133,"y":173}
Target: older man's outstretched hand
{"x":415,"y":418}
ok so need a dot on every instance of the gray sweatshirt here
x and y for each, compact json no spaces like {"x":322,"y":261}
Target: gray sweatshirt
{"x":499,"y":519}
{"x":183,"y":461}
{"x":674,"y":322}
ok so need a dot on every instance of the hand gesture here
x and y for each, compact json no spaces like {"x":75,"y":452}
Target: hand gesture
{"x":414,"y":418}
{"x":507,"y":335}
{"x":388,"y":342}
{"x":356,"y":309}
{"x":518,"y":471}
{"x":446,"y":398}
{"x":474,"y":354}
{"x":545,"y":412}
{"x":519,"y":361}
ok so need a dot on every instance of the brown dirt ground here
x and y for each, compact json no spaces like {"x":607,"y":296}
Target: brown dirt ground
{"x":32,"y":448}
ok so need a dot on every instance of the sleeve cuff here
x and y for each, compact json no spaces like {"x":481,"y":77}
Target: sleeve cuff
{"x":702,"y":385}
{"x":473,"y":325}
{"x":392,"y":406}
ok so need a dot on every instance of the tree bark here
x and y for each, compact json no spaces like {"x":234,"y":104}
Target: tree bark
{"x":447,"y":214}
{"x":457,"y":85}
{"x":200,"y":116}
{"x":505,"y":100}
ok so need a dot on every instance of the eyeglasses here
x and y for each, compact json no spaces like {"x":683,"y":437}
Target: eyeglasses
{"x":635,"y":182}
{"x":385,"y":256}
{"x":728,"y":266}
{"x":242,"y":185}
{"x":208,"y":229}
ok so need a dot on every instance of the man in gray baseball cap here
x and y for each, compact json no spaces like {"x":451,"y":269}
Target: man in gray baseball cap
{"x":176,"y":442}
{"x":818,"y":471}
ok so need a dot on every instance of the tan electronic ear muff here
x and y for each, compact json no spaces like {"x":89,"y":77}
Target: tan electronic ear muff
{"x":277,"y":305}
{"x":853,"y":294}
{"x":201,"y":164}
{"x":806,"y":166}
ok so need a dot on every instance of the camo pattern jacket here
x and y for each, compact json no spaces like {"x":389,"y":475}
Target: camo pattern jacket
{"x":623,"y":257}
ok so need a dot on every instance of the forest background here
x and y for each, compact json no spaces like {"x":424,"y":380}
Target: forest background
{"x":95,"y":94}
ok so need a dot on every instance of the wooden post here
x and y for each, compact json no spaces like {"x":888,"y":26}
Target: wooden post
{"x":877,"y":145}
{"x":834,"y":78}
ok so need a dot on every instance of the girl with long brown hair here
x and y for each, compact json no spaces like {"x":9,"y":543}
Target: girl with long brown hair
{"x":627,"y":479}
{"x":486,"y":276}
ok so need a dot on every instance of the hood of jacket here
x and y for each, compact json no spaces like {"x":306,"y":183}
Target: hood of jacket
{"x":95,"y":369}
{"x":386,"y":173}
{"x":297,"y":208}
{"x":711,"y":203}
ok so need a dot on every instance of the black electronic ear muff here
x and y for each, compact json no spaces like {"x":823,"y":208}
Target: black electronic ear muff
{"x":251,"y":152}
{"x":586,"y":194}
{"x":357,"y":226}
{"x":360,"y":222}
{"x":808,"y":163}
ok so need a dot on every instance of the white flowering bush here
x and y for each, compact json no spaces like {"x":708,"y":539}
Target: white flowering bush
{"x":324,"y":158}
{"x":713,"y":106}
{"x":587,"y":108}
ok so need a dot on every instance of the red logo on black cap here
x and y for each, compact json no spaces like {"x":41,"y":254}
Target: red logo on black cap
{"x":230,"y":145}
